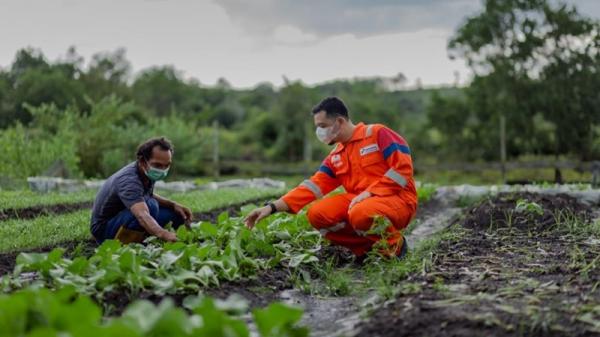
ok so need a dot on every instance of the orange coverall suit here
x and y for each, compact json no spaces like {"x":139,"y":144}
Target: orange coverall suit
{"x":375,"y":159}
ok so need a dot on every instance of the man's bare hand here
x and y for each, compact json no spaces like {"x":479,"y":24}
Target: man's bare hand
{"x":185,"y":213}
{"x":364,"y":195}
{"x":168,"y":236}
{"x":257,"y":215}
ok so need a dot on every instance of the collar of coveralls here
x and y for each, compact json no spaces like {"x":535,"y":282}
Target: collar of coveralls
{"x":359,"y":133}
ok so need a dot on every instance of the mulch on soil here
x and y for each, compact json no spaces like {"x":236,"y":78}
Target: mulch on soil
{"x":537,"y":211}
{"x":501,"y":277}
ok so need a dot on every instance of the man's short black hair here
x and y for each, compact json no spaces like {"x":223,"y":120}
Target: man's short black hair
{"x":144,"y":151}
{"x":333,"y":107}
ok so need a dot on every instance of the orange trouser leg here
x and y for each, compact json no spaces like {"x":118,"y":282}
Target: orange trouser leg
{"x":330,"y":217}
{"x":393,"y":208}
{"x":346,"y":227}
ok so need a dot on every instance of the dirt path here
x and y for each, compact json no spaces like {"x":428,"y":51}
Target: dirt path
{"x":511,"y":268}
{"x":431,"y":217}
{"x":338,"y":316}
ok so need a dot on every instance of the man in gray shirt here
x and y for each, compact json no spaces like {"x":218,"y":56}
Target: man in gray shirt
{"x":126,"y":207}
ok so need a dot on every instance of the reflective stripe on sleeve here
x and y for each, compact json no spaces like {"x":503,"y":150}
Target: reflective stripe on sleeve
{"x":313,"y":188}
{"x":396,"y":177}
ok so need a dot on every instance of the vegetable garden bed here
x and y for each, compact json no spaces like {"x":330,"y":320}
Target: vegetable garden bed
{"x":516,"y":265}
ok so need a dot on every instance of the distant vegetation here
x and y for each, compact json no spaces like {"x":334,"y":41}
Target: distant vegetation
{"x":93,"y":116}
{"x":536,"y":65}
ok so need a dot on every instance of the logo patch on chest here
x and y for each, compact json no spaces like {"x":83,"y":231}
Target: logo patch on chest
{"x":369,"y":149}
{"x":336,"y":160}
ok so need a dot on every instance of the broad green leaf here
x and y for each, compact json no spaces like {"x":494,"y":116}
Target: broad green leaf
{"x":141,"y":315}
{"x":31,"y":259}
{"x":216,"y":323}
{"x":222,"y":218}
{"x":234,"y":304}
{"x":208,"y":229}
{"x":13,"y":315}
{"x":279,"y":320}
{"x":299,"y":259}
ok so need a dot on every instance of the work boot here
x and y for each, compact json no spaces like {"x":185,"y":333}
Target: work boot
{"x":403,"y":250}
{"x":126,"y":235}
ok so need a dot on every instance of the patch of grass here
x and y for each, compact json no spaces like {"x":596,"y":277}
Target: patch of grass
{"x":469,"y":200}
{"x":339,"y":282}
{"x":202,"y":201}
{"x":439,"y":285}
{"x":386,"y":275}
{"x":24,"y":198}
{"x":575,"y":225}
{"x":487,"y":177}
{"x":426,"y":192}
{"x":199,"y":201}
{"x":17,"y":234}
{"x":325,"y":279}
{"x":290,"y":180}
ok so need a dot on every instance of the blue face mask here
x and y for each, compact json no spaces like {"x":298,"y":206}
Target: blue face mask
{"x":155,"y":174}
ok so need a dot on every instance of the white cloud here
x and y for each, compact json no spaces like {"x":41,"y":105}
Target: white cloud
{"x":249,"y":44}
{"x":358,"y":17}
{"x":287,"y":34}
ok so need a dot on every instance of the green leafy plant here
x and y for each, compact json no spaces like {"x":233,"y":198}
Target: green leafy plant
{"x":41,"y":312}
{"x":205,"y":255}
{"x":279,"y":320}
{"x":529,"y":207}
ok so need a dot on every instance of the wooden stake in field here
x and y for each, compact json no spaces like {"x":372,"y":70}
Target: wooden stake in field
{"x":503,"y":147}
{"x":216,"y":149}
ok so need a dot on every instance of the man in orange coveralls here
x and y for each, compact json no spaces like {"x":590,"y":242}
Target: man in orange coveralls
{"x":374,"y":166}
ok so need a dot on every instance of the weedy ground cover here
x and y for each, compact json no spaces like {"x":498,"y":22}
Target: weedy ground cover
{"x":522,"y":264}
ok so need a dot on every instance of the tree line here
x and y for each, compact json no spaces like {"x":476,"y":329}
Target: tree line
{"x":92,"y":114}
{"x":535,"y":64}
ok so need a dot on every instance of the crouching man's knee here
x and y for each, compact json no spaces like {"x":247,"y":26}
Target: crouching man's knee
{"x":360,"y":218}
{"x":317,"y":216}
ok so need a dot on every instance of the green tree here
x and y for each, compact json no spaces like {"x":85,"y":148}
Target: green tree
{"x":293,"y":122}
{"x":161,"y":90}
{"x":535,"y":62}
{"x":34,"y":81}
{"x":107,"y":75}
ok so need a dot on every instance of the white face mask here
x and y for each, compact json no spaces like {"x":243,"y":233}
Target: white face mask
{"x":327,"y":135}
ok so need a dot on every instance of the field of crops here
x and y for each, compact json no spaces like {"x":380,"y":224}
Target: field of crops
{"x":501,"y":265}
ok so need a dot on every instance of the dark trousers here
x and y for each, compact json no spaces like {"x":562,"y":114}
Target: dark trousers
{"x":125,"y":218}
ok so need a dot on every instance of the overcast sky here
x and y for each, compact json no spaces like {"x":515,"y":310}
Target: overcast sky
{"x":252,"y":41}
